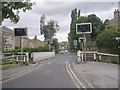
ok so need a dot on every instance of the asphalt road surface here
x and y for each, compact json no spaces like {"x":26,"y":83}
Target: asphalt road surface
{"x":50,"y":73}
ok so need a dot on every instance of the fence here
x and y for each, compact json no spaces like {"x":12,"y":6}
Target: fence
{"x":9,"y":57}
{"x":26,"y":57}
{"x":101,"y":57}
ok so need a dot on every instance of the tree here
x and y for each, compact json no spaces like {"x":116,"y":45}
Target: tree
{"x":11,"y":10}
{"x":48,"y":29}
{"x":72,"y":35}
{"x":42,"y":24}
{"x":106,"y":22}
{"x":56,"y":45}
{"x":106,"y":41}
{"x":97,"y":25}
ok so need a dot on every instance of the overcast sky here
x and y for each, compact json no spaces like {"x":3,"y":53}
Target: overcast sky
{"x":60,"y":11}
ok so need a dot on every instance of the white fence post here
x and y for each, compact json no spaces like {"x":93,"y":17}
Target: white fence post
{"x":17,"y":58}
{"x":94,"y":56}
{"x":82,"y":56}
{"x":100,"y":57}
{"x":27,"y":56}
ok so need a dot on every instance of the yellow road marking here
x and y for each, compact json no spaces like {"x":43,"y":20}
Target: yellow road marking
{"x":76,"y":77}
{"x":86,"y":81}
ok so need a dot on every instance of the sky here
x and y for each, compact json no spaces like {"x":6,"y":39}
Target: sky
{"x":60,"y":11}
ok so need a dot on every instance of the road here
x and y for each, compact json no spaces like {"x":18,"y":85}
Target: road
{"x":50,"y":73}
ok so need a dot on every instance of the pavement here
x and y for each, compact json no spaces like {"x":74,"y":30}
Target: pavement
{"x":97,"y":74}
{"x":12,"y":72}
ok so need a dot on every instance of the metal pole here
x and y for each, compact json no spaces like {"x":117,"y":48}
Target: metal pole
{"x":119,"y":49}
{"x":21,"y":45}
{"x":84,"y":47}
{"x":49,"y":46}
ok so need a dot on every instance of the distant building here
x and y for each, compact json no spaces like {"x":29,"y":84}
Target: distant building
{"x":9,"y":42}
{"x":115,"y":22}
{"x":63,"y":45}
{"x":25,"y":42}
{"x":7,"y":39}
{"x":35,"y":43}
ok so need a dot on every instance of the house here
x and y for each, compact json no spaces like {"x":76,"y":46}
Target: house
{"x":8,"y":41}
{"x":35,"y":43}
{"x":63,"y":45}
{"x":7,"y":38}
{"x":25,"y":42}
{"x":115,"y":22}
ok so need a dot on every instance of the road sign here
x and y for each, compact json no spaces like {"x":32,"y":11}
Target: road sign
{"x":118,"y":38}
{"x":80,"y":38}
{"x":75,"y":43}
{"x":83,"y":28}
{"x":20,"y":31}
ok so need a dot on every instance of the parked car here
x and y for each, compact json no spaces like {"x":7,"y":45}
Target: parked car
{"x":66,"y":51}
{"x":62,"y":52}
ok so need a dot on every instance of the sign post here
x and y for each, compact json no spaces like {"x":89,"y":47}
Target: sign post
{"x":75,"y":44}
{"x":118,"y":46}
{"x":20,"y":32}
{"x":84,"y":28}
{"x":84,"y":47}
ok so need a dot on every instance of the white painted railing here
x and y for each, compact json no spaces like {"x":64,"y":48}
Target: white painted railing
{"x":96,"y":55}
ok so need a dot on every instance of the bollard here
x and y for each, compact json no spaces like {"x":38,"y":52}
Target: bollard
{"x":81,"y":56}
{"x":94,"y":56}
{"x":100,"y":57}
{"x":17,"y":58}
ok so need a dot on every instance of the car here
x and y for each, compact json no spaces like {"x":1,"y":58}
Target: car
{"x":66,"y":51}
{"x":62,"y":52}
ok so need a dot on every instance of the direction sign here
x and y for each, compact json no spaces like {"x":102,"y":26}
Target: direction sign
{"x":75,"y":43}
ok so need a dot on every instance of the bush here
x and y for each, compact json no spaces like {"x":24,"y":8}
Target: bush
{"x":39,"y":49}
{"x":9,"y":51}
{"x":106,"y":41}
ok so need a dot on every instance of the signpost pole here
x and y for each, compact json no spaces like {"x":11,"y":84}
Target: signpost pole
{"x":21,"y":46}
{"x":84,"y":47}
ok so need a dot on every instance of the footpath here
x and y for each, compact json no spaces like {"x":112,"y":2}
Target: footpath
{"x":7,"y":74}
{"x":97,"y":74}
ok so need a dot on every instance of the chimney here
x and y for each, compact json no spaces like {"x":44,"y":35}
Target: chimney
{"x":116,"y":13}
{"x":35,"y":37}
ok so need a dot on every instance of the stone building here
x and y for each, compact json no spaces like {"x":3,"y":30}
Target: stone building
{"x":7,"y":39}
{"x":28,"y":43}
{"x":115,"y":22}
{"x":9,"y":42}
{"x":63,"y":45}
{"x":35,"y":43}
{"x":25,"y":42}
